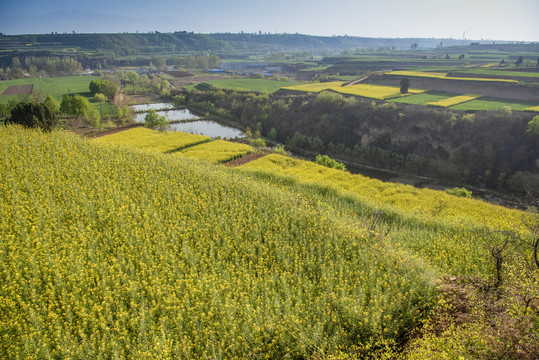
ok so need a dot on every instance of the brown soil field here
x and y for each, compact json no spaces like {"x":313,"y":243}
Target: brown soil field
{"x":18,"y":90}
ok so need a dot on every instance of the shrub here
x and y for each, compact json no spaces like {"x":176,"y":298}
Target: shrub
{"x":258,"y":142}
{"x":461,"y":192}
{"x":153,"y":120}
{"x":329,"y":162}
{"x":33,"y":115}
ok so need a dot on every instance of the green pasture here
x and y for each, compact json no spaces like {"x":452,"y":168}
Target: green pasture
{"x":261,"y":85}
{"x":57,"y":87}
{"x":423,"y":98}
{"x":493,"y":104}
{"x":500,"y":72}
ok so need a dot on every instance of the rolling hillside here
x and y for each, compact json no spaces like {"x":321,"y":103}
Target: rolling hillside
{"x":116,"y":252}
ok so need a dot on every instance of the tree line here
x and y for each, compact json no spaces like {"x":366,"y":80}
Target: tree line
{"x":492,"y":149}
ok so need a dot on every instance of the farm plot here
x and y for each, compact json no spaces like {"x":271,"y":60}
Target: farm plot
{"x":315,"y":87}
{"x":423,"y":98}
{"x":160,"y":141}
{"x":455,"y":100}
{"x":18,"y":90}
{"x":217,"y":151}
{"x":486,"y":103}
{"x":56,"y":87}
{"x":265,"y":86}
{"x":380,"y":92}
{"x":444,"y":76}
{"x":420,"y":202}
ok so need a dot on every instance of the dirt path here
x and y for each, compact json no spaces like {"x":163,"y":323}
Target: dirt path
{"x":111,"y":131}
{"x":244,"y":160}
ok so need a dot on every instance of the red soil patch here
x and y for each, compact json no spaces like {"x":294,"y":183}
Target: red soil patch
{"x":19,"y":89}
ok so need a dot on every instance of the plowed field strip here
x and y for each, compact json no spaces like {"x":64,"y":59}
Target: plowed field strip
{"x":18,"y":90}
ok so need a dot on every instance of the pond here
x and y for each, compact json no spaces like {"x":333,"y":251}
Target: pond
{"x":184,"y":120}
{"x":155,"y":106}
{"x":208,"y":128}
{"x":171,"y":115}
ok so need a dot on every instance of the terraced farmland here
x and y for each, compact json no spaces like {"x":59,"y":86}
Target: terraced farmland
{"x":380,"y":92}
{"x":455,"y":100}
{"x":217,"y":151}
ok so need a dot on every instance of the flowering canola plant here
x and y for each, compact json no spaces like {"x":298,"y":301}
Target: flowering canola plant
{"x":217,"y":151}
{"x":438,"y":75}
{"x":425,"y":203}
{"x":161,"y":141}
{"x":116,"y":252}
{"x":380,"y":92}
{"x":454,"y":100}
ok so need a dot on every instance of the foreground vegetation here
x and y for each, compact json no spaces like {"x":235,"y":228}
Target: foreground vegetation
{"x":108,"y":251}
{"x":154,"y":256}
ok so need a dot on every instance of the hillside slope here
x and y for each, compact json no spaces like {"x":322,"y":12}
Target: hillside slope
{"x":108,"y":251}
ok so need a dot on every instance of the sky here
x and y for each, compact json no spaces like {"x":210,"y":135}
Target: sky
{"x":514,"y":20}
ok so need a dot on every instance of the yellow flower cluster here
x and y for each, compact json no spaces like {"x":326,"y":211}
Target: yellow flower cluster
{"x":371,"y":91}
{"x":424,"y":203}
{"x":179,"y":143}
{"x":454,"y":100}
{"x":535,"y":108}
{"x":161,"y":141}
{"x":111,"y":252}
{"x":217,"y":151}
{"x":438,"y":75}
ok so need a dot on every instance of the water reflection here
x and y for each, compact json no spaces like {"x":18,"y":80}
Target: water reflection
{"x":171,"y":115}
{"x":155,"y":106}
{"x":208,"y":128}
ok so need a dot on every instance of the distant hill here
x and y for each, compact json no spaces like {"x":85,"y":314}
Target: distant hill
{"x":131,"y":44}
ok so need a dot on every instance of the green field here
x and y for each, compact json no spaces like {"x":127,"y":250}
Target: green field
{"x":57,"y":87}
{"x":423,"y":98}
{"x":493,"y":104}
{"x":266,"y":86}
{"x":500,"y":72}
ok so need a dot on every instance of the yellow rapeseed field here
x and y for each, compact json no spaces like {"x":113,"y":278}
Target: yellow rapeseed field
{"x":425,"y":203}
{"x":114,"y":252}
{"x":161,"y":141}
{"x":380,"y":92}
{"x":438,"y":75}
{"x":217,"y":151}
{"x":454,"y":100}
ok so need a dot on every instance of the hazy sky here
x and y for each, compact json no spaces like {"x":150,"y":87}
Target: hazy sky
{"x":479,"y":19}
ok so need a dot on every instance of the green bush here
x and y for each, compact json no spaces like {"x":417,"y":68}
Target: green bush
{"x":461,"y":192}
{"x":329,"y":162}
{"x":153,"y":120}
{"x":33,"y":115}
{"x":258,"y":142}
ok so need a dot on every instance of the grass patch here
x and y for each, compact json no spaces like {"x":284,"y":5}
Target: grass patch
{"x":56,"y":87}
{"x":423,"y":98}
{"x":486,"y":103}
{"x":266,"y":86}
